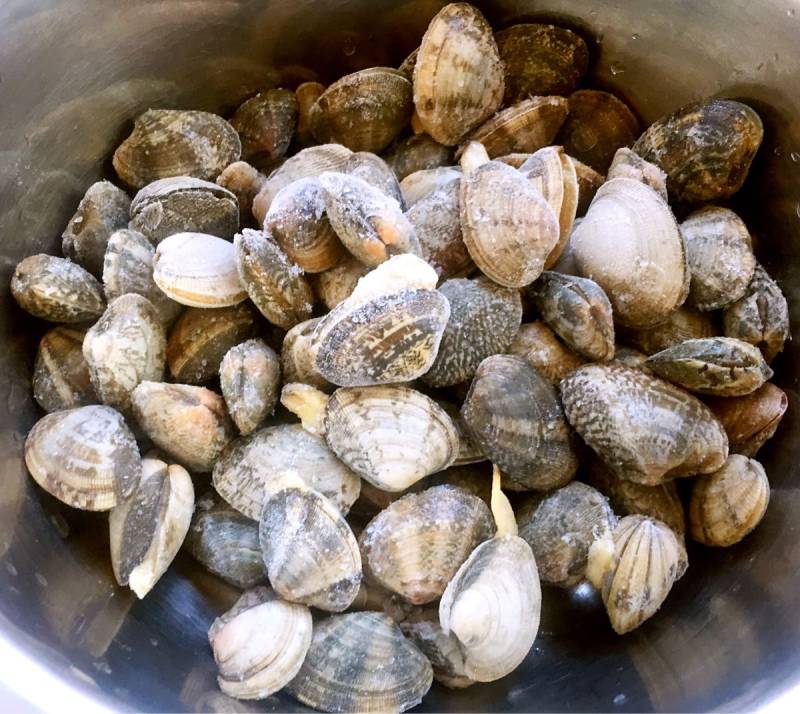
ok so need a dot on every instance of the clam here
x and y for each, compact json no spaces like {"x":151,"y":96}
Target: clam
{"x":259,"y":644}
{"x":363,"y":111}
{"x":102,"y":210}
{"x":539,"y":346}
{"x":56,"y":289}
{"x":589,"y":181}
{"x":361,"y":662}
{"x":306,"y":94}
{"x":146,"y":530}
{"x":419,"y":184}
{"x":484,"y":318}
{"x":245,"y":474}
{"x":705,"y":148}
{"x":183,"y":204}
{"x":415,"y":546}
{"x":720,"y":255}
{"x":682,"y":324}
{"x":561,"y":528}
{"x":628,"y":164}
{"x":728,"y":504}
{"x":418,"y":152}
{"x":629,"y":357}
{"x":265,"y":124}
{"x":225,"y":543}
{"x":200,"y":338}
{"x":123,"y":348}
{"x":643,"y":428}
{"x":198,"y":270}
{"x":722,"y":366}
{"x":630,"y":245}
{"x":458,"y":75}
{"x":60,"y":374}
{"x":513,"y":414}
{"x":540,"y":60}
{"x":243,"y":181}
{"x":274,"y":283}
{"x":635,"y":576}
{"x":298,"y":222}
{"x":249,"y":376}
{"x":597,"y":125}
{"x":297,"y":359}
{"x":376,"y":172}
{"x":761,"y":317}
{"x":578,"y":311}
{"x":188,"y":423}
{"x":170,"y":142}
{"x":86,"y":457}
{"x":337,"y":283}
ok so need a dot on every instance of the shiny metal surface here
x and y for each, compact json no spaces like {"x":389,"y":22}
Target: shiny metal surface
{"x":73,"y":74}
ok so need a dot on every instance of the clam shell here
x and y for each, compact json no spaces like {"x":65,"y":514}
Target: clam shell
{"x":484,"y":318}
{"x":391,"y":436}
{"x":539,"y":346}
{"x":102,"y":210}
{"x":361,"y":662}
{"x":56,"y":289}
{"x":643,"y":428}
{"x":60,"y":374}
{"x":86,"y":457}
{"x":705,"y":148}
{"x":458,"y":76}
{"x":243,"y":181}
{"x":147,"y":529}
{"x":419,"y":184}
{"x":629,"y":357}
{"x":297,"y":359}
{"x":589,"y":181}
{"x":188,"y":423}
{"x":514,"y":416}
{"x":306,"y":94}
{"x":170,"y":142}
{"x":265,"y":124}
{"x":337,"y":283}
{"x":628,"y":164}
{"x":682,"y":324}
{"x":245,"y":474}
{"x":310,"y":552}
{"x":376,"y":172}
{"x":250,"y":377}
{"x":408,"y":64}
{"x":418,"y":153}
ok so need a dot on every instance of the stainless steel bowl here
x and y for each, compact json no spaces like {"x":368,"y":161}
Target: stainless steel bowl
{"x":74,"y":73}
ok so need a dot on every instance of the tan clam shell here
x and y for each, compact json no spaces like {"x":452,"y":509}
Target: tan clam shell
{"x":249,"y":377}
{"x":417,"y":153}
{"x":683,"y":324}
{"x":643,"y":428}
{"x":629,"y":357}
{"x":265,"y":124}
{"x":589,"y":181}
{"x":297,"y":358}
{"x":86,"y":457}
{"x":60,"y":374}
{"x":243,"y":181}
{"x":419,"y":184}
{"x":337,"y":283}
{"x":307,"y":94}
{"x":540,"y":347}
{"x":458,"y":75}
{"x":376,"y":172}
{"x":628,"y":164}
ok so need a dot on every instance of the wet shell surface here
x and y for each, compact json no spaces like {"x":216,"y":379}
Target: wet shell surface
{"x":337,"y":283}
{"x":249,"y":376}
{"x":297,"y":359}
{"x":376,"y":172}
{"x":243,"y":181}
{"x":730,"y":503}
{"x":417,"y":153}
{"x":458,"y":76}
{"x":56,"y":289}
{"x":484,"y":318}
{"x":361,"y":662}
{"x":683,"y":324}
{"x":540,"y":347}
{"x":513,"y":414}
{"x":419,"y":184}
{"x":265,"y":124}
{"x":643,"y":428}
{"x":189,"y":423}
{"x":169,"y":142}
{"x":86,"y":457}
{"x":705,"y":148}
{"x":147,"y":529}
{"x":60,"y":374}
{"x":415,"y":546}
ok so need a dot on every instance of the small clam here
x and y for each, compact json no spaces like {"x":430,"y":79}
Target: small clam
{"x":418,"y":153}
{"x":415,"y":546}
{"x":60,"y":374}
{"x":249,"y":376}
{"x":200,"y":338}
{"x":183,"y":204}
{"x":458,"y":75}
{"x":297,"y":359}
{"x":761,"y":317}
{"x":169,"y":142}
{"x":259,"y":644}
{"x":635,"y":576}
{"x":124,"y":347}
{"x":419,"y":184}
{"x":243,"y":181}
{"x":628,"y":164}
{"x":337,"y":283}
{"x":306,"y":94}
{"x":147,"y":529}
{"x":728,"y":504}
{"x":643,"y":428}
{"x":540,"y":60}
{"x":376,"y":172}
{"x":513,"y":414}
{"x":189,"y":423}
{"x":597,"y":125}
{"x":682,"y":324}
{"x":562,"y":527}
{"x":705,"y":148}
{"x":578,"y":311}
{"x":539,"y":346}
{"x":484,"y":318}
{"x":102,"y":210}
{"x":56,"y":289}
{"x":274,"y":283}
{"x":361,"y":662}
{"x":265,"y":124}
{"x":364,"y":110}
{"x":589,"y":181}
{"x":86,"y":457}
{"x":750,"y":420}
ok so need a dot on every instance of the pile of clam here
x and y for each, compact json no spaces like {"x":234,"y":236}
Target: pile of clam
{"x":467,"y":273}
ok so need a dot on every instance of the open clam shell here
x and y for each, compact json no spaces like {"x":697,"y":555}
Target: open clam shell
{"x":417,"y":153}
{"x":60,"y":374}
{"x":265,"y":124}
{"x":540,"y":347}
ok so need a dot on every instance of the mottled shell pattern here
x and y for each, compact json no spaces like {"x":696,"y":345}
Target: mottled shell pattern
{"x":265,"y":124}
{"x":60,"y":374}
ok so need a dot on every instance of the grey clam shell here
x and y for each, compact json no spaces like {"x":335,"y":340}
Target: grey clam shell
{"x":376,"y":172}
{"x":60,"y":374}
{"x":249,"y":377}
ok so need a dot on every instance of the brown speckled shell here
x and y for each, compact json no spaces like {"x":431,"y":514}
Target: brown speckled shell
{"x":539,"y":346}
{"x":60,"y":373}
{"x":265,"y":124}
